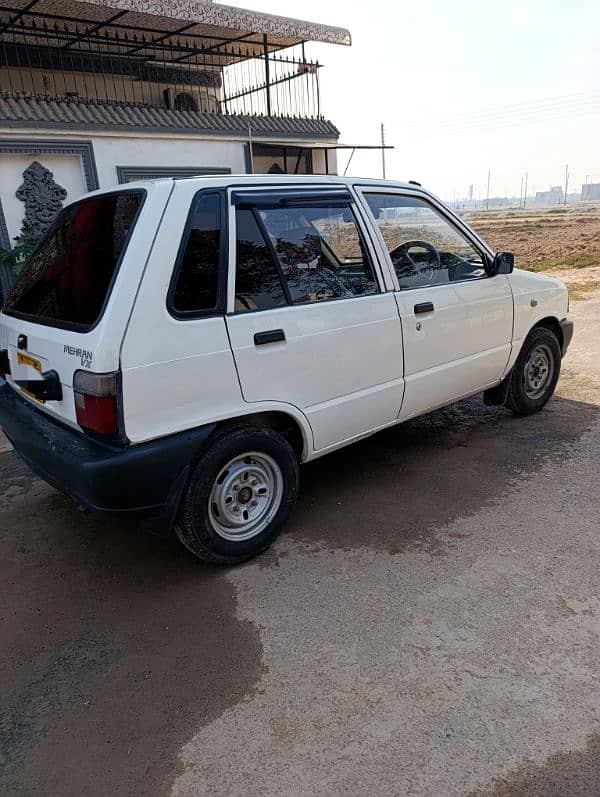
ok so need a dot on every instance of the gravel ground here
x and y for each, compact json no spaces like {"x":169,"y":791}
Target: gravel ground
{"x":429,"y":624}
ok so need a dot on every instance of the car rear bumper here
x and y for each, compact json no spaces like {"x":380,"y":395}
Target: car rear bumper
{"x":567,"y":334}
{"x":142,"y":481}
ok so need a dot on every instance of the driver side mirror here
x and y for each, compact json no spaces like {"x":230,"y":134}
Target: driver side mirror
{"x":503,"y":263}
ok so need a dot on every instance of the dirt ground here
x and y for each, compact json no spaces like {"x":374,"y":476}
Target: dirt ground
{"x":428,"y":625}
{"x":543,"y":238}
{"x":563,"y":241}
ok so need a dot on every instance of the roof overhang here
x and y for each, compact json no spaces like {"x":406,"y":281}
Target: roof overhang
{"x":194,"y":18}
{"x":74,"y":114}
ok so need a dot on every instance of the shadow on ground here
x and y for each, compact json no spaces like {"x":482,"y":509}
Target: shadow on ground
{"x":118,"y":645}
{"x":392,"y":490}
{"x":568,"y":774}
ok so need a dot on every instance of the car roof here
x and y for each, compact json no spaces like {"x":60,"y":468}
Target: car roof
{"x":225,"y":180}
{"x":270,"y":180}
{"x":292,"y":179}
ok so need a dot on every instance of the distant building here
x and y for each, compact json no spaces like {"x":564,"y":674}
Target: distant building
{"x":590,"y":191}
{"x":552,"y":197}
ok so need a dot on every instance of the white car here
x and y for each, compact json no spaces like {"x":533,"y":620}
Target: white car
{"x":174,"y":349}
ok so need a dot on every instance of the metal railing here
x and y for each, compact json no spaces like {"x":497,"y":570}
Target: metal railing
{"x":55,"y":57}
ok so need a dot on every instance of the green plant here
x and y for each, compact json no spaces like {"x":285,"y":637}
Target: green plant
{"x":25,"y":243}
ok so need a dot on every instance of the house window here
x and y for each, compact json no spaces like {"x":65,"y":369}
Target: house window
{"x":271,"y":159}
{"x":131,"y":174}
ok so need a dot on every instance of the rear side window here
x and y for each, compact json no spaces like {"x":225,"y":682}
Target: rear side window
{"x":67,"y":280}
{"x":196,"y":287}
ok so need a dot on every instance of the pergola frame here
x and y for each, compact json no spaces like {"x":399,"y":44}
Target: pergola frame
{"x":31,"y":38}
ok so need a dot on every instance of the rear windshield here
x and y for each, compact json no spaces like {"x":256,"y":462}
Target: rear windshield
{"x":67,"y":279}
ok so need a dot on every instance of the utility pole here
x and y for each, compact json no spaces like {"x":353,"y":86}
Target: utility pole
{"x":525,"y":192}
{"x":521,"y":194}
{"x":487,"y":196}
{"x":566,"y":181}
{"x":383,"y":149}
{"x":267,"y":72}
{"x":250,"y":150}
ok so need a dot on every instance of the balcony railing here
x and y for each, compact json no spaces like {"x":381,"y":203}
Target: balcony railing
{"x":54,"y":56}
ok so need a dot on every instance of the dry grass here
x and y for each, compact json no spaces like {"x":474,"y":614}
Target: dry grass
{"x":542,"y":240}
{"x":576,"y":261}
{"x":564,"y":241}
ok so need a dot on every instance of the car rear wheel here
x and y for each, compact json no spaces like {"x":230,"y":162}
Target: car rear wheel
{"x":240,"y":495}
{"x":535,"y":373}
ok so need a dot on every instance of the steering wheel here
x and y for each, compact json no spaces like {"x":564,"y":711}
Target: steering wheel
{"x":407,"y":266}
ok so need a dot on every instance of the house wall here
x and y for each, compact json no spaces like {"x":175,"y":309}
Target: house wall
{"x":141,"y":155}
{"x":67,"y":173}
{"x":81,"y":162}
{"x":111,"y":152}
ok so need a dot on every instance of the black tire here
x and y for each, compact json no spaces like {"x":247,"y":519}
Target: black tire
{"x":518,"y":399}
{"x":197,"y":524}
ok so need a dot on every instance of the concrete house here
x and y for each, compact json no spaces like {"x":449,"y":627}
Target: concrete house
{"x":103,"y":92}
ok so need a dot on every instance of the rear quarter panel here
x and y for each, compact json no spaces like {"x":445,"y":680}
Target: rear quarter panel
{"x":67,"y":351}
{"x":177,"y":374}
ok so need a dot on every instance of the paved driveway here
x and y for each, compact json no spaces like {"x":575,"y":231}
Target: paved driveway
{"x":429,"y":624}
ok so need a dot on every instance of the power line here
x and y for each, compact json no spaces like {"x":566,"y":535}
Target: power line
{"x":470,"y":121}
{"x":524,"y":114}
{"x":503,"y":123}
{"x":508,"y":110}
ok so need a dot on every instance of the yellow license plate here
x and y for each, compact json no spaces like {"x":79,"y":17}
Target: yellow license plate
{"x":25,"y":359}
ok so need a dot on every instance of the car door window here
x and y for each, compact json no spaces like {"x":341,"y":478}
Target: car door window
{"x":258,"y":284}
{"x":320,"y":251}
{"x":425,"y":248}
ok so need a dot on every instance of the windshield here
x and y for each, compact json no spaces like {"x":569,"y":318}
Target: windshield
{"x":68,"y":278}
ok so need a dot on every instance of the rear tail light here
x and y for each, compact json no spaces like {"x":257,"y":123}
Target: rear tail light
{"x":97,"y":401}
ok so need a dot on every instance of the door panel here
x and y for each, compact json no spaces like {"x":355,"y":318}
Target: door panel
{"x":340,"y":363}
{"x":310,"y":327}
{"x":457,"y":321}
{"x":460,"y":347}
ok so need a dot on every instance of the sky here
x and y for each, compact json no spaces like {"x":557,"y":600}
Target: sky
{"x":463,"y":88}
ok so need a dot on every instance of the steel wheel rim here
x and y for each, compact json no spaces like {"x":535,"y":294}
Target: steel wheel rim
{"x":538,"y":372}
{"x":245,"y":496}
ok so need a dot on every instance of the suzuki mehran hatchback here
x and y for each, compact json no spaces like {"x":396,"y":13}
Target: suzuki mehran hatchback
{"x":174,"y":349}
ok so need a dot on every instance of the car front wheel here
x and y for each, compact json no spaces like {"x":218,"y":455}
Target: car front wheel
{"x":240,"y":495}
{"x":535,"y":373}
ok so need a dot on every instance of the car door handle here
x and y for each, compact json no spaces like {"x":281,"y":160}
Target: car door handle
{"x":270,"y":336}
{"x":424,"y":307}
